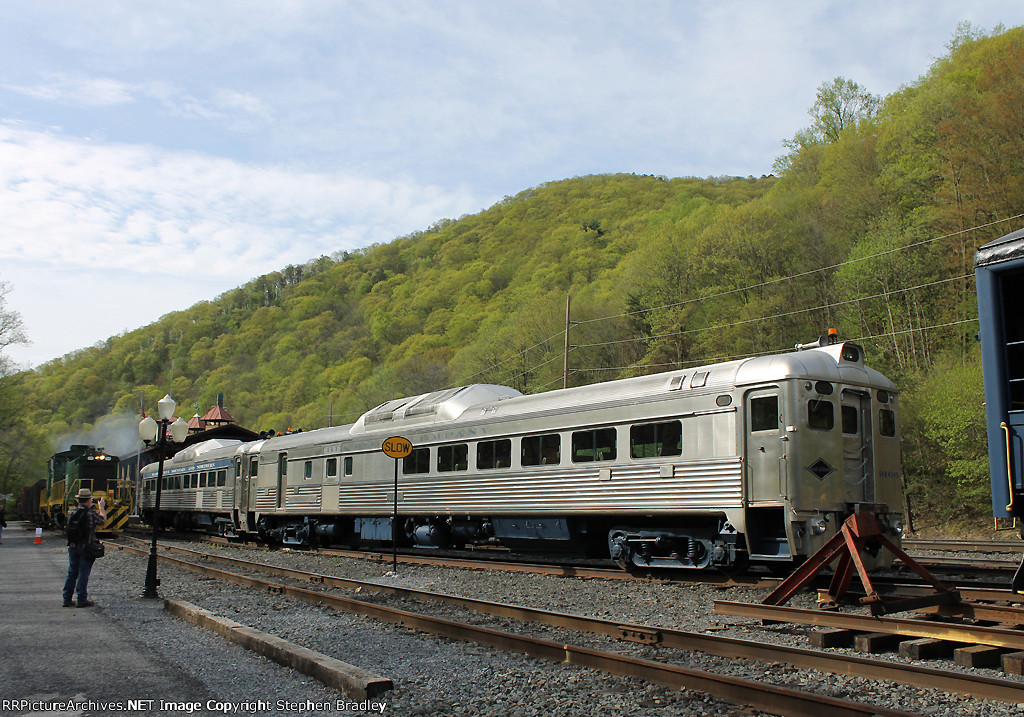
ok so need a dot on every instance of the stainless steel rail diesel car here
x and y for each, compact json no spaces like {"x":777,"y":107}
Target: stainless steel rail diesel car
{"x":759,"y":459}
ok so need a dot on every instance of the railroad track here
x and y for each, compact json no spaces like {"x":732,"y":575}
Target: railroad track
{"x":986,"y":645}
{"x":766,"y":697}
{"x":966,"y":546}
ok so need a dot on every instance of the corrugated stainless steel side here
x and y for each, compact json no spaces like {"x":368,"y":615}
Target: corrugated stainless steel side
{"x":709,"y":484}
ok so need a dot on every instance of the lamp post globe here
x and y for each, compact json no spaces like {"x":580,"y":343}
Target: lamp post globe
{"x":150,"y":431}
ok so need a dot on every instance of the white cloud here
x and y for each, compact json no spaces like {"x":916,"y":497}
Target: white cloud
{"x":148,"y":216}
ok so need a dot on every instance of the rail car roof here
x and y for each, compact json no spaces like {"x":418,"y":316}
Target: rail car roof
{"x":490,"y":401}
{"x":1005,"y":248}
{"x":194,"y":452}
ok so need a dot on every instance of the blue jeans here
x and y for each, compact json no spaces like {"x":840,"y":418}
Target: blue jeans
{"x":79,"y":568}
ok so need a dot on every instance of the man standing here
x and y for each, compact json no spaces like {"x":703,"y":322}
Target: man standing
{"x":79,"y":564}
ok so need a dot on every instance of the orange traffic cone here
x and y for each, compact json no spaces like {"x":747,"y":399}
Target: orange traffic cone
{"x":39,"y":536}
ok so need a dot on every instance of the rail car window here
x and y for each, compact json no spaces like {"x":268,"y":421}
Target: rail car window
{"x":307,"y":470}
{"x":332,"y":467}
{"x":651,"y":440}
{"x":417,"y":462}
{"x":254,"y":465}
{"x":348,"y":465}
{"x":202,"y":480}
{"x":886,"y":422}
{"x":222,"y":477}
{"x":542,"y":450}
{"x":764,"y":413}
{"x":821,"y":414}
{"x":851,"y":424}
{"x":494,"y":454}
{"x":453,"y":458}
{"x":598,"y":445}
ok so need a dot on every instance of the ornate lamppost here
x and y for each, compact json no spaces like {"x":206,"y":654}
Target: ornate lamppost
{"x":151,"y":430}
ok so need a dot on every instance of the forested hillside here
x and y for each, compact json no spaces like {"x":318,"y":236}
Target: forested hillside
{"x":868,"y":224}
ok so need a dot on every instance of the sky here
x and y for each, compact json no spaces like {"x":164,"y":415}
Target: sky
{"x":155,"y":155}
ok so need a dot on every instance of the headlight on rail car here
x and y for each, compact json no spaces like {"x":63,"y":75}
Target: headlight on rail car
{"x":818,"y":526}
{"x":896,"y":526}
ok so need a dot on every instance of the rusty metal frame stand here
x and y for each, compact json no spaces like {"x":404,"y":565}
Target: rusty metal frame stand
{"x":1017,"y":584}
{"x":846,"y":546}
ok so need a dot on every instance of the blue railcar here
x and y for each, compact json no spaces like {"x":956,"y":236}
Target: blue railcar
{"x":999,"y":275}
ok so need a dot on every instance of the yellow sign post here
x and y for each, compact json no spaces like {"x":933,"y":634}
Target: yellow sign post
{"x":398,"y":448}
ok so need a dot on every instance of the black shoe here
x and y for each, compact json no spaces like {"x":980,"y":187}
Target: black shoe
{"x":87,"y":603}
{"x":69,"y":604}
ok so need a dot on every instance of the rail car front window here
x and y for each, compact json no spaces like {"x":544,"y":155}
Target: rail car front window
{"x":651,"y":440}
{"x":417,"y":462}
{"x":821,"y":414}
{"x":597,"y":445}
{"x":542,"y":450}
{"x":886,"y":422}
{"x":453,"y":458}
{"x":851,"y":424}
{"x":494,"y":454}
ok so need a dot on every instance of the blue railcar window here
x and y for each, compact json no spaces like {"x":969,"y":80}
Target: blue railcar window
{"x":821,"y":414}
{"x":494,"y":454}
{"x":886,"y":422}
{"x":541,"y":450}
{"x":597,"y":445}
{"x":651,"y":440}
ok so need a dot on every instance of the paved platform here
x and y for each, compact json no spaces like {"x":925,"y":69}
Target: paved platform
{"x":52,"y":654}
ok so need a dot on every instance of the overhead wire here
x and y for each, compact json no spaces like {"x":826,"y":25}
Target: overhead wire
{"x":770,"y":282}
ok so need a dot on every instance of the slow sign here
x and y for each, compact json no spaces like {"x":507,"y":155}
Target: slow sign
{"x":397,"y":447}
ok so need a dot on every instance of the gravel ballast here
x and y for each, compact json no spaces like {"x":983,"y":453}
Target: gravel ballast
{"x":435,"y":676}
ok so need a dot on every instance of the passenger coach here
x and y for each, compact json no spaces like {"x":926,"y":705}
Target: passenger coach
{"x":758,"y":459}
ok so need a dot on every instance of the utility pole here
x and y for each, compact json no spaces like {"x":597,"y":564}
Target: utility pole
{"x":565,"y":356}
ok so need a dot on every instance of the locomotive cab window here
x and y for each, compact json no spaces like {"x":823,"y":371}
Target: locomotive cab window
{"x":764,"y":413}
{"x":598,"y":445}
{"x":453,"y":458}
{"x":493,"y":454}
{"x":821,"y":414}
{"x":417,"y":462}
{"x":541,"y":450}
{"x":651,"y":440}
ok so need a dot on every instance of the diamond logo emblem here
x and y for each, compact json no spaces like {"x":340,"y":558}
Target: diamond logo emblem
{"x":821,"y":469}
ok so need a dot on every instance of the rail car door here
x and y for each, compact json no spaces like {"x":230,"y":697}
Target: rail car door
{"x":765,"y":447}
{"x":282,"y":478}
{"x":858,"y":448}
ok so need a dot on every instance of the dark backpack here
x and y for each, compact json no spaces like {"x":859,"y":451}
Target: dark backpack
{"x":78,"y":526}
